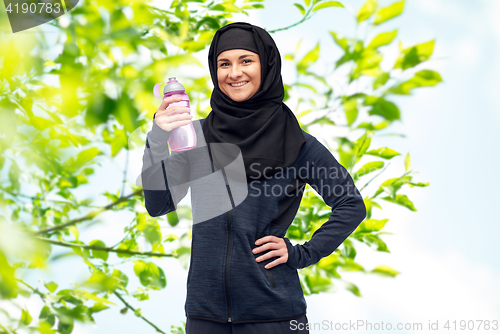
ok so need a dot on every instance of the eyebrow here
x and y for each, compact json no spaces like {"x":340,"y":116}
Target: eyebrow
{"x":242,"y":56}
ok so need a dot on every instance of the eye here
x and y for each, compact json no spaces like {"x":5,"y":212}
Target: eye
{"x":249,"y":61}
{"x":223,"y":64}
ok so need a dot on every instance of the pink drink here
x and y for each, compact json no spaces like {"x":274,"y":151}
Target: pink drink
{"x":184,"y":137}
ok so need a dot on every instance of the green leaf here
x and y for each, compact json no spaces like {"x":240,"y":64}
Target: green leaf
{"x":308,"y":59}
{"x":385,"y":271}
{"x":383,"y":152}
{"x":342,"y":42}
{"x":25,"y":318}
{"x":307,"y":86}
{"x":407,"y":161}
{"x":51,"y":286}
{"x":85,"y":156}
{"x":328,"y":4}
{"x":253,"y":6}
{"x":382,"y":107}
{"x":120,"y":278}
{"x":152,"y":232}
{"x":323,"y":121}
{"x":369,"y":168}
{"x":367,"y":64}
{"x":366,"y":10}
{"x":141,"y":296}
{"x":300,"y":8}
{"x":348,"y":249}
{"x":423,"y":78}
{"x":14,"y":176}
{"x":98,"y":307}
{"x":353,"y":288}
{"x":45,"y":328}
{"x":126,"y":113}
{"x":414,"y":55}
{"x":401,"y":200}
{"x":317,"y":284}
{"x":74,"y":231}
{"x":389,"y":12}
{"x":226,"y":7}
{"x":83,"y":252}
{"x":418,"y":184}
{"x":127,"y":245}
{"x":381,"y":80}
{"x":391,"y":186}
{"x":362,"y":144}
{"x":100,"y":106}
{"x":371,"y":225}
{"x":374,"y":241}
{"x":351,"y":110}
{"x":99,"y":254}
{"x":46,"y":315}
{"x":384,"y":38}
{"x":351,"y":265}
{"x":150,"y":275}
{"x":307,"y":2}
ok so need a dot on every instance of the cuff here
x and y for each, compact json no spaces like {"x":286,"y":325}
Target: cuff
{"x":158,"y":133}
{"x":292,"y":254}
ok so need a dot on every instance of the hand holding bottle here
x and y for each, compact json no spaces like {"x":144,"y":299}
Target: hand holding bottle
{"x":173,"y":117}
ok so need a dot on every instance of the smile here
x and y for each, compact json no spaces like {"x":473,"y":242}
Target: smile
{"x":239,"y":84}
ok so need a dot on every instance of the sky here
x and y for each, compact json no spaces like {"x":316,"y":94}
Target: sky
{"x":449,"y":270}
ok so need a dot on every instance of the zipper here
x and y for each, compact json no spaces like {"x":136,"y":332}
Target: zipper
{"x":229,"y":245}
{"x":271,"y":277}
{"x":229,"y":236}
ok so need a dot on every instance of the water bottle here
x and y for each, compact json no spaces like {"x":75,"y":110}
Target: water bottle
{"x":183,"y":137}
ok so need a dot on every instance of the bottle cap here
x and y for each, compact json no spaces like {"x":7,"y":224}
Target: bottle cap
{"x":173,"y":85}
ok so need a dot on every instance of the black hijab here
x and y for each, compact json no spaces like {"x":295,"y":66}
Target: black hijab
{"x":262,"y":127}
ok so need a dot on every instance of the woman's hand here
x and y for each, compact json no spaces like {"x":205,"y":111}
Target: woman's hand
{"x":174,"y":117}
{"x":271,"y":242}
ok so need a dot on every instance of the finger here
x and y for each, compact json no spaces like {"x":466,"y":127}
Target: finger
{"x":268,"y":255}
{"x":173,"y":111}
{"x":269,"y":245}
{"x":268,"y":238}
{"x":170,"y":125}
{"x":274,"y":263}
{"x":173,"y":117}
{"x":174,"y":125}
{"x":167,"y":100}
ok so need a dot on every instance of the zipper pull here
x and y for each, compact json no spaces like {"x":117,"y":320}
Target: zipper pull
{"x":229,"y":320}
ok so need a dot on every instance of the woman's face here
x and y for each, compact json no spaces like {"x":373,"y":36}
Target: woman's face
{"x":238,"y":74}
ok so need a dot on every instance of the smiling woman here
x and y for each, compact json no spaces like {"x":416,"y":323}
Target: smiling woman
{"x":238,"y":73}
{"x":243,"y":276}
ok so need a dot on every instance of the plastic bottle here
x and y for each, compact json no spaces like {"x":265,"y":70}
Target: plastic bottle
{"x":183,"y":137}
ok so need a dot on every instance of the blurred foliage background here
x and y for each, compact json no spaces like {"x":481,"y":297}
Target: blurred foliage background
{"x":63,"y":116}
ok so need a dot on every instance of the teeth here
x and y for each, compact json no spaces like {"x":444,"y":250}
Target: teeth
{"x":239,"y":84}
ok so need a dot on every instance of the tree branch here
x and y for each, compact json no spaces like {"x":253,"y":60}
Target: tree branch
{"x":105,"y":249}
{"x":90,"y":215}
{"x":140,"y":316}
{"x":306,"y":17}
{"x":373,"y":178}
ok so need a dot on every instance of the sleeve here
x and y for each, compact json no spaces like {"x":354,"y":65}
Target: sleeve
{"x":336,"y":186}
{"x":159,"y":169}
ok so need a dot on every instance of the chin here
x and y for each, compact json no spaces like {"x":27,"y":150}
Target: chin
{"x":239,"y":99}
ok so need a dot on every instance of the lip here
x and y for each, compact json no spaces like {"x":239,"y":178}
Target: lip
{"x":239,"y":87}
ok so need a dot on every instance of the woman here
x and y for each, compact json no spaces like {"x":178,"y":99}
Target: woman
{"x":243,"y":273}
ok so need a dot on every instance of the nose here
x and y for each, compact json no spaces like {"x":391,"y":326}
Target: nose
{"x":235,"y":72}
